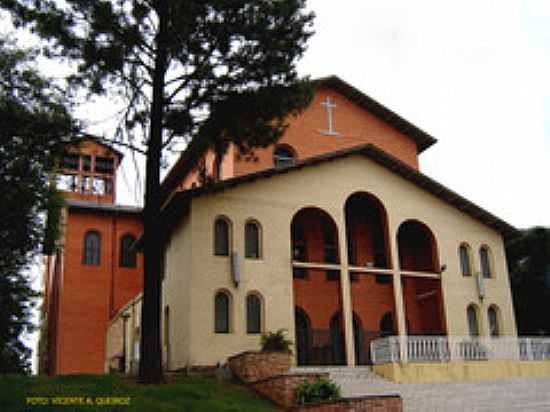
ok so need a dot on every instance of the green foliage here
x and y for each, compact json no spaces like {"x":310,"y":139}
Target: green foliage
{"x":319,"y":391}
{"x":34,"y":119}
{"x":205,"y":72}
{"x":528,"y":257}
{"x":275,"y":341}
{"x":184,"y":394}
{"x":53,"y":220}
{"x":233,"y":62}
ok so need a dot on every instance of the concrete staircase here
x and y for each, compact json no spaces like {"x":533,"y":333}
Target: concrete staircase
{"x":354,"y":381}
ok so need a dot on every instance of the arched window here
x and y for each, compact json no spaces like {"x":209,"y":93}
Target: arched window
{"x":222,"y":237}
{"x":253,"y":314}
{"x":465,"y":261}
{"x":473,"y":325}
{"x":128,"y":254}
{"x":222,"y":303}
{"x":283,"y":156}
{"x":485,"y":261}
{"x":92,"y":248}
{"x":492,"y":314}
{"x":386,"y":325}
{"x":417,"y":247}
{"x":252,"y":241}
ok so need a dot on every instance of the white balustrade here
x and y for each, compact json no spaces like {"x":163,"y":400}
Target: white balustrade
{"x":459,"y":348}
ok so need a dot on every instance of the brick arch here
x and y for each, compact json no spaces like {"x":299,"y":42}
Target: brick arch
{"x":314,"y":236}
{"x":417,"y":247}
{"x":367,"y":231}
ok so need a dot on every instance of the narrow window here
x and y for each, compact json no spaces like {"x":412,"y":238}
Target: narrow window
{"x":221,"y":309}
{"x":484,"y":260}
{"x":493,"y":322}
{"x":283,"y":156}
{"x":464,"y":255}
{"x":128,"y":255}
{"x":221,"y":237}
{"x":92,"y":248}
{"x":252,"y":240}
{"x":473,"y":325}
{"x":253,"y":314}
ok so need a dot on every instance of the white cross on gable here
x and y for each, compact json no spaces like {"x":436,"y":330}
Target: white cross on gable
{"x":329,"y":105}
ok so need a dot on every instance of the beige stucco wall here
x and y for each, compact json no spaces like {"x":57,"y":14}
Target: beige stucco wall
{"x":196,"y":274}
{"x":176,"y":295}
{"x":116,"y":330}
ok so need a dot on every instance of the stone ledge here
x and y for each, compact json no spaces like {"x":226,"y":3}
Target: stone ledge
{"x":252,"y":367}
{"x":281,"y":389}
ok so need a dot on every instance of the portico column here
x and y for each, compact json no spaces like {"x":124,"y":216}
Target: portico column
{"x":398,"y":296}
{"x":345,"y":290}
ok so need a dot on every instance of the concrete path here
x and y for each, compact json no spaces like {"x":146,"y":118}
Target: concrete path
{"x":512,"y":395}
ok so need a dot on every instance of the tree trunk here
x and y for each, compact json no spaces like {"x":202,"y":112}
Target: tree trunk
{"x":150,"y":365}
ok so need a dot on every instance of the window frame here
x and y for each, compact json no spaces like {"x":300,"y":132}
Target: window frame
{"x":123,"y":260}
{"x":259,"y":238}
{"x":228,"y":316}
{"x":496,"y":332}
{"x":472,"y":308}
{"x":468,"y":251}
{"x":229,"y":235}
{"x":487,"y":253}
{"x":260,"y":314}
{"x":91,"y":257}
{"x":280,"y":161}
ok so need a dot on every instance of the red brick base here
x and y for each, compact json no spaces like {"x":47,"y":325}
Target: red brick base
{"x":281,"y":389}
{"x":255,"y":366}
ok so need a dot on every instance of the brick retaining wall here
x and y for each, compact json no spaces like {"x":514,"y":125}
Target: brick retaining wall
{"x":255,"y":366}
{"x":281,"y":389}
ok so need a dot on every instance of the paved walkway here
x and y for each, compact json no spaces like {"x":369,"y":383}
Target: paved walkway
{"x":512,"y":395}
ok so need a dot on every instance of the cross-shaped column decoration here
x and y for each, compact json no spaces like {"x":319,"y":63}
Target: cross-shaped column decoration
{"x":328,"y":103}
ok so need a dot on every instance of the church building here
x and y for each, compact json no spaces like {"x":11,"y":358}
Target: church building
{"x":333,"y":234}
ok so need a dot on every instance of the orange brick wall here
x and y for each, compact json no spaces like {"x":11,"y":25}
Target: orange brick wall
{"x":355,"y":125}
{"x":424,"y":316}
{"x":371,"y":301}
{"x":88,"y":298}
{"x":319,"y":297}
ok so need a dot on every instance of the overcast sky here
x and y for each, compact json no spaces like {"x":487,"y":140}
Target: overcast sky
{"x":473,"y":74}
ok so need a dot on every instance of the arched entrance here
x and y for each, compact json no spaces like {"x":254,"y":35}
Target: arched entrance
{"x":338,"y":350}
{"x":359,"y":340}
{"x":303,"y":336}
{"x":421,"y":294}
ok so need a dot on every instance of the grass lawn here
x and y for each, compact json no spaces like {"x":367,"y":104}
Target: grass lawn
{"x":86,"y":393}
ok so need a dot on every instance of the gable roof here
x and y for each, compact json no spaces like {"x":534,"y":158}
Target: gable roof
{"x":422,"y":139}
{"x":181,"y":200}
{"x":97,"y":140}
{"x":186,"y":161}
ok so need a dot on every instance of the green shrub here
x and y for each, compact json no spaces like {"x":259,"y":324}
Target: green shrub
{"x":319,"y":391}
{"x":275,"y":341}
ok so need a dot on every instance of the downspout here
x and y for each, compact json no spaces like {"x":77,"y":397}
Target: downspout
{"x":113,"y":258}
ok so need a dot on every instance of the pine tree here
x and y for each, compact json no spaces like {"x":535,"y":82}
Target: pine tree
{"x":209,"y":72}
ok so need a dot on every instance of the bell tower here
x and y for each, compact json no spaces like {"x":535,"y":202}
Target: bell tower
{"x":87,"y":171}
